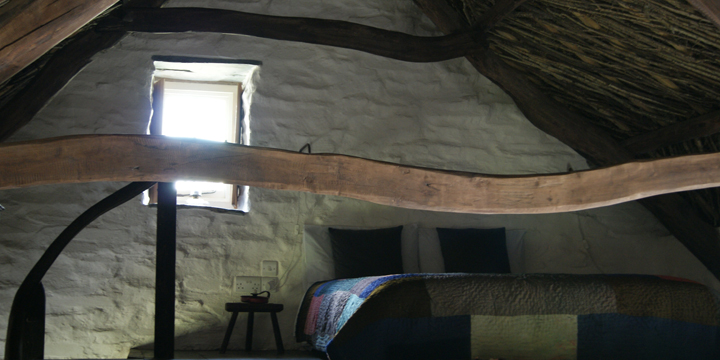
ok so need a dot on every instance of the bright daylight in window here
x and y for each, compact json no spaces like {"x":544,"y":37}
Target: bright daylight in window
{"x":203,"y":111}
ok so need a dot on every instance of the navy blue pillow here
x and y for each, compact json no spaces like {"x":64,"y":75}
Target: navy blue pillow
{"x":474,"y":250}
{"x":359,"y":253}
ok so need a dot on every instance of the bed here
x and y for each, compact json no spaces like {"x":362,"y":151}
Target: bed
{"x":510,"y":316}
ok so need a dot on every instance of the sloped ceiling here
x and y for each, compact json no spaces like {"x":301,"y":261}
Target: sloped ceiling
{"x":623,"y":67}
{"x":631,"y":67}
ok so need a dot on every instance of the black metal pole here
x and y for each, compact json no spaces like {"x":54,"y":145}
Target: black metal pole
{"x":165,"y":272}
{"x":26,"y":326}
{"x":27,"y":299}
{"x":34,"y":334}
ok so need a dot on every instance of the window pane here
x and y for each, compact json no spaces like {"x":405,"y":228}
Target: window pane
{"x":188,"y":188}
{"x":198,"y":115}
{"x":201,"y":111}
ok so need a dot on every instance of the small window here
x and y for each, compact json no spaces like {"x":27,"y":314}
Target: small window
{"x":201,"y":110}
{"x":208,"y":99}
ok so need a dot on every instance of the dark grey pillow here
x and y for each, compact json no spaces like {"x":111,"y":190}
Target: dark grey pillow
{"x":474,"y":250}
{"x":359,"y":253}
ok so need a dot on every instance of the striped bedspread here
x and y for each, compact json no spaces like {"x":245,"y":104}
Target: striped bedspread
{"x":542,"y":316}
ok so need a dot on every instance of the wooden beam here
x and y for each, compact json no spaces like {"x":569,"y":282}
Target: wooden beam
{"x":701,"y":126}
{"x":342,"y":34}
{"x":88,"y":158}
{"x":711,"y":9}
{"x":57,"y":72}
{"x":579,"y":133}
{"x":28,"y":31}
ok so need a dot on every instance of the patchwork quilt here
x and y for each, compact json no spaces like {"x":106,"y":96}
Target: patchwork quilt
{"x":484,"y":316}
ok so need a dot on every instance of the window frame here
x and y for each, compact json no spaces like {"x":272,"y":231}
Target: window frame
{"x":155,"y":128}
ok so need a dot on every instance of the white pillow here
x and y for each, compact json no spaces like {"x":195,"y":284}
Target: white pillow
{"x":317,"y":247}
{"x":429,"y":251}
{"x":431,"y":258}
{"x":318,"y":254}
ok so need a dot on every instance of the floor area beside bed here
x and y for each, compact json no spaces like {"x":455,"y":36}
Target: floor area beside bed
{"x":270,"y":354}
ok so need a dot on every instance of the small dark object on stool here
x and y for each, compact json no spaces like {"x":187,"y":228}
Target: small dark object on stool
{"x":255,"y":299}
{"x":251,"y":309}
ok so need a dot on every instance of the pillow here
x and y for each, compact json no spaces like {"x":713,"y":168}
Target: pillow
{"x":358,"y":253}
{"x":431,"y":259}
{"x":429,"y":251}
{"x":516,"y":250}
{"x":409,"y":243}
{"x":318,"y":255}
{"x":474,"y":250}
{"x":317,"y":249}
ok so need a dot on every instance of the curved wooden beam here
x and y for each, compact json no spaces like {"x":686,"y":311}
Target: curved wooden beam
{"x":391,"y":44}
{"x":88,"y":158}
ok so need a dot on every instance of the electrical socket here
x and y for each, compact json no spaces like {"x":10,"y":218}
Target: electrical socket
{"x":247,"y":284}
{"x":270,"y":283}
{"x":270,"y":268}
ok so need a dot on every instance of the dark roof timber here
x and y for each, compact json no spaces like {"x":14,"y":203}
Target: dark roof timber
{"x":702,"y":126}
{"x":30,"y":29}
{"x":72,"y":57}
{"x":52,"y":72}
{"x":389,"y":44}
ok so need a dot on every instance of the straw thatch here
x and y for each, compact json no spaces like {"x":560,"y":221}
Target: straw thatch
{"x":630,"y":66}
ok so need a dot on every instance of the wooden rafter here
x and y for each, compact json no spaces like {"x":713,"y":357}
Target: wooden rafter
{"x":87,"y":158}
{"x":63,"y":66}
{"x":28,"y":31}
{"x":701,"y":238}
{"x":701,"y":126}
{"x":57,"y":72}
{"x":391,"y":44}
{"x":73,"y":57}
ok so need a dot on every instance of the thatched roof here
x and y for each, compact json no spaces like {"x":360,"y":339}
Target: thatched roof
{"x":630,"y":66}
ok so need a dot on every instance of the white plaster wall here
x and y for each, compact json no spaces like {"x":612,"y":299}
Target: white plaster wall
{"x":443,"y":115}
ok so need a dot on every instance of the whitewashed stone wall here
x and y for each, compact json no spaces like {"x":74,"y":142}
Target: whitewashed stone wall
{"x":443,"y":115}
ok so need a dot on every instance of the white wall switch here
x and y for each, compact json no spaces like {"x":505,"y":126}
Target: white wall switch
{"x":270,"y":268}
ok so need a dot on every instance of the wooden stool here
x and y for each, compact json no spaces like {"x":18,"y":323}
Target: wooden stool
{"x":251,"y":309}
